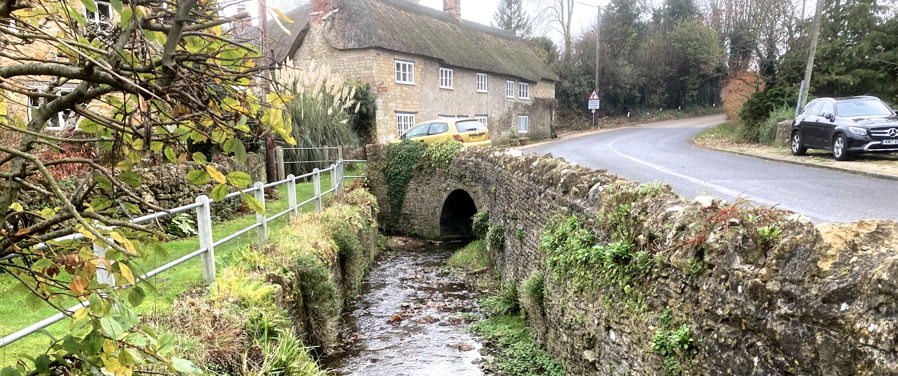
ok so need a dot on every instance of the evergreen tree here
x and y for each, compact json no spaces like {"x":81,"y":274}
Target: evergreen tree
{"x":511,"y":16}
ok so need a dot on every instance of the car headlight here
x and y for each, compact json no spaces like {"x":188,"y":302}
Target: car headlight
{"x":858,"y":131}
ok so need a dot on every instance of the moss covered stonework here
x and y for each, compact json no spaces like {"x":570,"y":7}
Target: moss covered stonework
{"x":749,"y":291}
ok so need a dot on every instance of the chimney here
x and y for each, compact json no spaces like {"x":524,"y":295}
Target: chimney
{"x":452,"y":7}
{"x":320,"y":8}
{"x":243,"y":23}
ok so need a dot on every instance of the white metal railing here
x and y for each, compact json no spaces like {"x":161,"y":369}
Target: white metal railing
{"x":204,"y":230}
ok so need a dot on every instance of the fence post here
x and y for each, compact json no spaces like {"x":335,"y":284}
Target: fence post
{"x":340,"y":152}
{"x":103,"y":275}
{"x":334,"y":180}
{"x":260,"y":218}
{"x":316,"y":182}
{"x":291,"y":195}
{"x":340,"y":175}
{"x":326,"y":154}
{"x":279,"y":155}
{"x":204,"y":228}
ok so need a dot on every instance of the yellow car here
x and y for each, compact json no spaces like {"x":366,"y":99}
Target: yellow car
{"x":468,"y":131}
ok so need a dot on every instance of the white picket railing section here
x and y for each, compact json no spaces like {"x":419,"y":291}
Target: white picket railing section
{"x":204,"y":229}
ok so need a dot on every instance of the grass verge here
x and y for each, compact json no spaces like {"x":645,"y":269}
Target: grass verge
{"x":723,"y":132}
{"x":185,"y":278}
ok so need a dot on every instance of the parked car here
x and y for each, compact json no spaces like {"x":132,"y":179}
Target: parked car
{"x":468,"y":131}
{"x":847,"y":126}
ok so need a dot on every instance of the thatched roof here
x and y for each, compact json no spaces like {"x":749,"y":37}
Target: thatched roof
{"x":403,"y":26}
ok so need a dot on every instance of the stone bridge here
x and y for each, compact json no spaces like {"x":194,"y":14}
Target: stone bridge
{"x":786,"y":298}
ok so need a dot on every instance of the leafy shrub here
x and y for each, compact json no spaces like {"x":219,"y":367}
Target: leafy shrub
{"x":757,"y":109}
{"x":440,"y":154}
{"x":672,"y":344}
{"x":481,"y":225}
{"x":401,"y":160}
{"x":768,"y":130}
{"x":364,"y":119}
{"x":181,"y":226}
{"x":517,"y":352}
{"x":506,"y":302}
{"x":535,"y":289}
{"x":496,"y":237}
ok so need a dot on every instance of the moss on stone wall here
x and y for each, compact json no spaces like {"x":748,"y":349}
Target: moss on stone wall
{"x":761,"y":291}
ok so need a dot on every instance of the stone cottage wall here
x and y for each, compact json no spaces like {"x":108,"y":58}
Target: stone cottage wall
{"x":815,"y":301}
{"x":425,"y":99}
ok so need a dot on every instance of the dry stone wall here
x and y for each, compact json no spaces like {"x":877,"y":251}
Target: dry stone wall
{"x":814,"y":300}
{"x":167,"y":186}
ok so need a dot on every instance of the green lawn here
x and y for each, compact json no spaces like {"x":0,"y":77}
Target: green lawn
{"x":184,"y":278}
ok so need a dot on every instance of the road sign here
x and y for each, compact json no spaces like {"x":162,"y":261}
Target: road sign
{"x":593,"y":101}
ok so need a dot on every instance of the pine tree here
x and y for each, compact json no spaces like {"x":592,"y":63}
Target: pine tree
{"x":511,"y":16}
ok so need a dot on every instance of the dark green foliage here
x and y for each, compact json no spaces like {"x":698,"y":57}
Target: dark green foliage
{"x":510,"y":15}
{"x":674,"y":60}
{"x":506,"y":302}
{"x":496,"y":237}
{"x":317,"y":121}
{"x":402,"y":158}
{"x":319,"y":297}
{"x":364,"y":121}
{"x":573,"y":256}
{"x":518,"y":353}
{"x":535,"y":289}
{"x":440,"y":154}
{"x":768,"y":129}
{"x":757,"y":109}
{"x":674,"y":345}
{"x":481,"y":224}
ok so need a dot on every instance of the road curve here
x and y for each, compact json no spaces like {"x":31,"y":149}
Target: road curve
{"x":662,"y":152}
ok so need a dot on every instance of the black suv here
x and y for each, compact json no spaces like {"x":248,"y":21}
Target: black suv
{"x":846,"y":126}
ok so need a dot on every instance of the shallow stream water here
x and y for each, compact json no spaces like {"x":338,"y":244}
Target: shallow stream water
{"x":410,"y":319}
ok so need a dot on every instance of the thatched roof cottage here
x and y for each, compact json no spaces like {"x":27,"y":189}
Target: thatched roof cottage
{"x":424,"y":64}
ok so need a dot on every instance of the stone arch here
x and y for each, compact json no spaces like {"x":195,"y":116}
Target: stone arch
{"x":455,"y":216}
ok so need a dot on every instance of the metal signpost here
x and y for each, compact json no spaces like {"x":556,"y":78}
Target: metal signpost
{"x":594,"y":105}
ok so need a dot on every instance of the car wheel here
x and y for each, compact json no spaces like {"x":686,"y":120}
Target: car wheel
{"x":840,"y":146}
{"x":798,"y":147}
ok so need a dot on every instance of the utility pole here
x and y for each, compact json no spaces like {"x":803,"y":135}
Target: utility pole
{"x":803,"y":94}
{"x":263,"y":46}
{"x":598,"y":56}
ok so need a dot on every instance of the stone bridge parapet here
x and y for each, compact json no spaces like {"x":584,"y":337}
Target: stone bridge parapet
{"x":804,"y":300}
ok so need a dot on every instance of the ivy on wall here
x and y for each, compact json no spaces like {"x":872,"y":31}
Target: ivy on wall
{"x":402,"y":159}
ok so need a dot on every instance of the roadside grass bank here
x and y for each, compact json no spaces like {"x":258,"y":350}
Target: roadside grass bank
{"x":726,"y":137}
{"x":509,"y":347}
{"x":277,"y":307}
{"x":186,"y":279}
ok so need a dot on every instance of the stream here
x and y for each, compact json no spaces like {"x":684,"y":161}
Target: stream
{"x":410,"y":319}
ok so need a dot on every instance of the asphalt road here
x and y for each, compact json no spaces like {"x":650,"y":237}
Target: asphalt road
{"x":662,"y":152}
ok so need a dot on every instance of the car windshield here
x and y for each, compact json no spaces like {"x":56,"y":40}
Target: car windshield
{"x":868,"y":107}
{"x":469,"y":126}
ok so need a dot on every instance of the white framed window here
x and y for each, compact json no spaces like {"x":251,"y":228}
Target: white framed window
{"x":404,"y":122}
{"x":509,"y":89}
{"x":523,"y":124}
{"x":482,"y":81}
{"x":103,"y":13}
{"x":482,"y":119}
{"x":524,"y":90}
{"x":447,"y":77}
{"x":55,"y":123}
{"x":405,"y":72}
